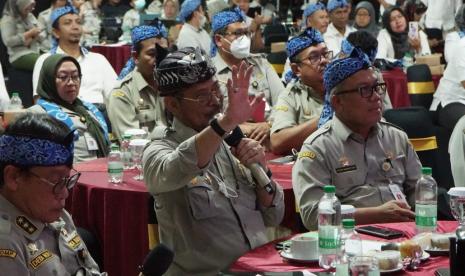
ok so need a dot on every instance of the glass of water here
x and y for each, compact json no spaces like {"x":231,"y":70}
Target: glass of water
{"x":457,"y":206}
{"x":136,"y":147}
{"x":364,"y":266}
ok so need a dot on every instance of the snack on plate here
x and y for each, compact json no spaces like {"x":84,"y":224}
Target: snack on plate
{"x":388,"y":260}
{"x":440,"y":241}
{"x":410,"y":249}
{"x":423,"y":239}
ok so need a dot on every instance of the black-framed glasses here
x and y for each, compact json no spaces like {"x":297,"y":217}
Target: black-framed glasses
{"x":366,"y":91}
{"x":204,"y":99}
{"x":66,"y":78}
{"x":65,"y":182}
{"x":315,"y":58}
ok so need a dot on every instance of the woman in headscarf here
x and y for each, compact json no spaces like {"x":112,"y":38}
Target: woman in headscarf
{"x":58,"y":88}
{"x":21,"y":34}
{"x":394,"y":41}
{"x":365,"y":19}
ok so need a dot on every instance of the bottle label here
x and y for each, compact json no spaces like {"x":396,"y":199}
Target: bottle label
{"x":115,"y":167}
{"x":426,"y":215}
{"x":328,"y":239}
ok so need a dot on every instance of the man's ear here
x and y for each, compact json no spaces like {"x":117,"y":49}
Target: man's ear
{"x":172,"y":105}
{"x":296,"y":69}
{"x":56,"y":33}
{"x":217,"y":40}
{"x":135,"y":56}
{"x":10,"y":177}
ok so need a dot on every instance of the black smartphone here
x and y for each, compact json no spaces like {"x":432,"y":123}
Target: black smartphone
{"x":385,"y":233}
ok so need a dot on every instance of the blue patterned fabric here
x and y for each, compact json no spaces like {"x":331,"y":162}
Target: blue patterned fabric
{"x":223,"y":19}
{"x":461,"y":34}
{"x":28,"y":151}
{"x":347,"y":48}
{"x":297,"y":44}
{"x":138,"y":34}
{"x":335,"y":73}
{"x":187,"y":8}
{"x":310,"y":10}
{"x":334,"y":4}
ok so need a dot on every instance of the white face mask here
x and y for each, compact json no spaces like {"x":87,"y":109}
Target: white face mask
{"x":240,"y":47}
{"x":203,"y":21}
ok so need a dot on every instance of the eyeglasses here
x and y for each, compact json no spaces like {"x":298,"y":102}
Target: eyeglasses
{"x":367,"y":91}
{"x":206,"y":98}
{"x":315,"y":58}
{"x":67,"y":182}
{"x":65,"y":79}
{"x":239,"y":33}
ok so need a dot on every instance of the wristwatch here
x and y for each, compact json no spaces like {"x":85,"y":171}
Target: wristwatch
{"x":218,"y":129}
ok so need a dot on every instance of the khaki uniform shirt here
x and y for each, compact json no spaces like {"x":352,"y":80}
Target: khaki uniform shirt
{"x":135,"y":104}
{"x":264,"y":79}
{"x":206,"y":229}
{"x":360,"y":169}
{"x":81,"y":151}
{"x":31,"y":247}
{"x":298,"y":105}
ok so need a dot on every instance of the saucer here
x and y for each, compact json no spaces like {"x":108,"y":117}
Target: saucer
{"x":288,"y":256}
{"x":437,"y":251}
{"x":398,"y":268}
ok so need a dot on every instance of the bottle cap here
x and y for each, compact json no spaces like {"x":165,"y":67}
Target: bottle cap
{"x":15,"y":94}
{"x":329,"y":189}
{"x":127,"y":136}
{"x":426,"y":170}
{"x":348,"y":223}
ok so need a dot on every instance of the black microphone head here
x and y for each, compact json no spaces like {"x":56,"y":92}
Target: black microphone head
{"x":235,"y":137}
{"x":158,"y":261}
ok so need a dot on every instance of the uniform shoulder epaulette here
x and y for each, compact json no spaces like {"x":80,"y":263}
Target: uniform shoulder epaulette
{"x":391,"y":124}
{"x":320,"y":131}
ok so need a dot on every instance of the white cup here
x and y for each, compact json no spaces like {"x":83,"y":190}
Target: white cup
{"x":305,"y":248}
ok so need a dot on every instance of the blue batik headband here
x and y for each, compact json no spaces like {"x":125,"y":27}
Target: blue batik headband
{"x":187,"y":8}
{"x":347,"y":48}
{"x":138,"y":34}
{"x":223,"y":19}
{"x":334,"y":4}
{"x":297,"y":44}
{"x":28,"y":151}
{"x":336,"y":72}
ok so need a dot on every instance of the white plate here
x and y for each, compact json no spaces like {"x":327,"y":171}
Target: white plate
{"x":425,"y":256}
{"x":288,"y":256}
{"x":398,"y":268}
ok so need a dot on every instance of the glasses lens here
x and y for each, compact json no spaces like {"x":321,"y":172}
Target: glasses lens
{"x":72,"y":180}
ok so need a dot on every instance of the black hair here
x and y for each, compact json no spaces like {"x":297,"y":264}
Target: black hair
{"x":55,"y":24}
{"x":40,"y":126}
{"x":363,"y":40}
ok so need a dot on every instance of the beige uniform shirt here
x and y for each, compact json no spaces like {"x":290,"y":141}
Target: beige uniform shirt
{"x":298,"y":105}
{"x":264,"y":79}
{"x":135,"y":104}
{"x":31,"y":247}
{"x":207,"y":229}
{"x":81,"y":151}
{"x":360,"y":169}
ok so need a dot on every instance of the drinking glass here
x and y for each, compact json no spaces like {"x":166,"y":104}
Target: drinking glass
{"x":457,"y":206}
{"x":136,"y":146}
{"x":364,"y":266}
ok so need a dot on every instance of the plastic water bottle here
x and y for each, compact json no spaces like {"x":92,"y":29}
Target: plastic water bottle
{"x":290,"y":19}
{"x":15,"y":102}
{"x":329,"y":228}
{"x":126,"y":153}
{"x":407,"y":60}
{"x":115,"y":165}
{"x":351,"y":245}
{"x":426,"y":202}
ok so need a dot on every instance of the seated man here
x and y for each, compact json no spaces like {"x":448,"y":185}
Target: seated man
{"x":365,"y":158}
{"x":135,"y":103}
{"x":210,"y":210}
{"x":98,"y":76}
{"x":457,"y":153}
{"x":296,"y":114}
{"x":338,"y":29}
{"x":192,"y":33}
{"x":231,"y":47}
{"x":37,"y":235}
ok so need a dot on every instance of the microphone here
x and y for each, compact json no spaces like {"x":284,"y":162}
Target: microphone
{"x":158,"y":260}
{"x":257,"y":171}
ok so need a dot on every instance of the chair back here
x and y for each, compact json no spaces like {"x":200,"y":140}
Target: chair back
{"x":277,"y":60}
{"x":420,"y":85}
{"x":152,"y":223}
{"x":275,"y":33}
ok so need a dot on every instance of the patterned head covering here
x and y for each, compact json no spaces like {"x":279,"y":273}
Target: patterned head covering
{"x":310,"y":10}
{"x":223,"y":19}
{"x":181,"y":69}
{"x":297,"y":44}
{"x":336,"y":72}
{"x":138,"y":34}
{"x":334,"y":4}
{"x":347,"y":47}
{"x":187,"y":8}
{"x":55,"y":16}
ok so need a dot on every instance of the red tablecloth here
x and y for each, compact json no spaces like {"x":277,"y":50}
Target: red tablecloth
{"x":267,"y":259}
{"x":396,"y":83}
{"x":116,"y":55}
{"x":117,"y":214}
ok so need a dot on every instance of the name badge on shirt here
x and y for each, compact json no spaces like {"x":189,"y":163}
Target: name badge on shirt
{"x":348,"y":168}
{"x":90,"y":142}
{"x":397,"y":193}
